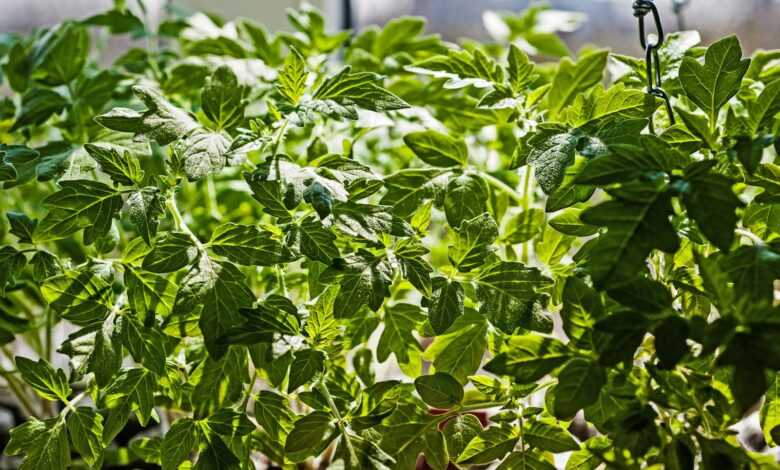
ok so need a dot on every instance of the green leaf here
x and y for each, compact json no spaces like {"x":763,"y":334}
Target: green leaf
{"x":273,"y":413}
{"x":491,"y":444}
{"x":292,"y":79}
{"x":520,"y":68}
{"x":627,"y":164}
{"x":60,"y":54}
{"x":368,"y":221}
{"x":310,"y":436}
{"x":462,"y":68}
{"x":145,"y":207}
{"x":12,"y":261}
{"x":399,"y":320}
{"x":178,"y":443}
{"x":446,"y":304}
{"x":38,"y":105}
{"x":439,"y":390}
{"x":582,"y":307}
{"x":80,"y":204}
{"x":47,"y":382}
{"x":579,"y":384}
{"x":414,"y":267}
{"x":409,"y":188}
{"x":437,"y":149}
{"x":149,"y":292}
{"x":473,"y":243}
{"x":547,"y":436}
{"x":21,"y":226}
{"x":171,"y":252}
{"x":123,"y":168}
{"x":217,"y":290}
{"x":230,"y":422}
{"x":568,"y":222}
{"x":203,"y":153}
{"x":459,"y":431}
{"x":363,"y":280}
{"x":221,"y":382}
{"x":637,"y":224}
{"x":313,"y":240}
{"x":146,"y":345}
{"x":247,"y":245}
{"x":162,"y":121}
{"x":305,"y":366}
{"x":524,"y":226}
{"x":529,"y":358}
{"x":707,"y":191}
{"x":85,"y":427}
{"x":573,"y":78}
{"x":551,"y":151}
{"x":466,"y":198}
{"x":44,"y":444}
{"x":222,"y":98}
{"x":82,"y":296}
{"x":135,"y":388}
{"x":603,"y":104}
{"x":217,"y":455}
{"x":712,"y":84}
{"x":753,"y":270}
{"x":507,"y":291}
{"x":359,"y":89}
{"x":458,"y":351}
{"x":525,"y":460}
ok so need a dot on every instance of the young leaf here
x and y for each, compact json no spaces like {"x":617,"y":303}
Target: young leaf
{"x":223,"y":98}
{"x":437,"y":149}
{"x":529,"y":358}
{"x":47,"y":382}
{"x":439,"y":390}
{"x":80,"y":204}
{"x":711,"y":85}
{"x":292,"y":79}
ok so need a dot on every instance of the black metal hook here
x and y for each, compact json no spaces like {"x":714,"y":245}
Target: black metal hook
{"x":641,"y":9}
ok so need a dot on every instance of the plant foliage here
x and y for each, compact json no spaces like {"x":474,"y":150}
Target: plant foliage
{"x":311,"y":247}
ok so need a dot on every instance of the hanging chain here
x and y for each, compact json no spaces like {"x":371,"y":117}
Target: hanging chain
{"x":652,"y":60}
{"x":678,"y":6}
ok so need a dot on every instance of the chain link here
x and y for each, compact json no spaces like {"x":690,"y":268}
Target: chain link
{"x":678,"y":6}
{"x":652,"y":59}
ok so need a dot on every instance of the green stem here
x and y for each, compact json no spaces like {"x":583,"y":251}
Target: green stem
{"x":48,"y":334}
{"x":280,"y":280}
{"x":526,"y":204}
{"x":750,"y":236}
{"x":249,"y":389}
{"x":211,"y":199}
{"x":498,"y":184}
{"x":179,"y":223}
{"x":71,"y":404}
{"x":279,"y":137}
{"x":16,"y":389}
{"x":339,"y":420}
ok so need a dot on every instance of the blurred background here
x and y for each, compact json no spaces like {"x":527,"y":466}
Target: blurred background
{"x":610,"y":22}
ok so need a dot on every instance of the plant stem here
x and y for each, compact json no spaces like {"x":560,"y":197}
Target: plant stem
{"x":279,"y":137}
{"x":751,"y":236}
{"x":179,"y":223}
{"x":71,"y":404}
{"x":526,"y":204}
{"x":280,"y":280}
{"x":249,"y":389}
{"x":498,"y":184}
{"x":339,"y":420}
{"x":211,"y":199}
{"x":16,"y":389}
